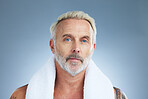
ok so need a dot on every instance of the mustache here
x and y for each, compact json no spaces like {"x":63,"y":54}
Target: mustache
{"x":74,"y":55}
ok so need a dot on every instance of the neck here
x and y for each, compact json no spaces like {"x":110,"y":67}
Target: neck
{"x":68,"y":83}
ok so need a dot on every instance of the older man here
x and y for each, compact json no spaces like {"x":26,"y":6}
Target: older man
{"x":70,"y":73}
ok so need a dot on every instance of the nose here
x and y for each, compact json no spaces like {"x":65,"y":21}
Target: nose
{"x":76,"y":48}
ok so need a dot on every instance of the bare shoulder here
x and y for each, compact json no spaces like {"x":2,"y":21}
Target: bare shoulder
{"x":119,"y":94}
{"x":19,"y":93}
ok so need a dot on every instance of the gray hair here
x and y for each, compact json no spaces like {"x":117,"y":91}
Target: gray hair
{"x":74,"y":15}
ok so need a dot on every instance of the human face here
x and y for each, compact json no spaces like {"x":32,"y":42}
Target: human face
{"x":73,"y":45}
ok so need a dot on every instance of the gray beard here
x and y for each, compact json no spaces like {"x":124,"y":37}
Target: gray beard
{"x":66,"y":66}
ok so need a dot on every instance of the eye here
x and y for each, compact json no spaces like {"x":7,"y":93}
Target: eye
{"x":84,"y":41}
{"x":67,"y":39}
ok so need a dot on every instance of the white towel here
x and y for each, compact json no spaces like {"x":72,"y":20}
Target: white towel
{"x":96,"y":84}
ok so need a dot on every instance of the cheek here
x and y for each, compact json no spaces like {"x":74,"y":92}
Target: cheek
{"x":85,"y":50}
{"x":63,"y":49}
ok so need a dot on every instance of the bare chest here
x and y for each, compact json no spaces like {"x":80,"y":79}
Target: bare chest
{"x":71,"y":95}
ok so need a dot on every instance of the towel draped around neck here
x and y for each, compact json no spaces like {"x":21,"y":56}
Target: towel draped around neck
{"x":96,"y":84}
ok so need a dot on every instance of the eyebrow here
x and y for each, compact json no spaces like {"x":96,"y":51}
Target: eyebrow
{"x":87,"y":37}
{"x":67,"y":35}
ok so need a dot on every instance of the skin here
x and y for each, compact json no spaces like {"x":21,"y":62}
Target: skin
{"x":21,"y":92}
{"x":70,"y":38}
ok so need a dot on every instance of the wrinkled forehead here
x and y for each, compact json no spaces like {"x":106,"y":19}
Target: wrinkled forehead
{"x":74,"y":24}
{"x":76,"y":19}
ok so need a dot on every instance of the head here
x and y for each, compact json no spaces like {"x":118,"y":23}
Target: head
{"x":73,"y":40}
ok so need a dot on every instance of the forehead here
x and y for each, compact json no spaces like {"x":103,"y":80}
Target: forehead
{"x":73,"y":25}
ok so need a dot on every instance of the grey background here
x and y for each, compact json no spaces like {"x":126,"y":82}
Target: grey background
{"x":121,"y":51}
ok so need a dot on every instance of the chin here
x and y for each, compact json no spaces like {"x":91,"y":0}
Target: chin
{"x":75,"y":70}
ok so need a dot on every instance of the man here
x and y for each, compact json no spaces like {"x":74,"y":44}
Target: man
{"x":70,"y":73}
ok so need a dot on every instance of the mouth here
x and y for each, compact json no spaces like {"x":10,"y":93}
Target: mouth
{"x":74,"y":59}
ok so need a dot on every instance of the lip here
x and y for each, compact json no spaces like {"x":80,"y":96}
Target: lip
{"x":74,"y":59}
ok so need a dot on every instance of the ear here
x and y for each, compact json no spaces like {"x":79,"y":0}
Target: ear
{"x":94,"y":46}
{"x":51,"y":44}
